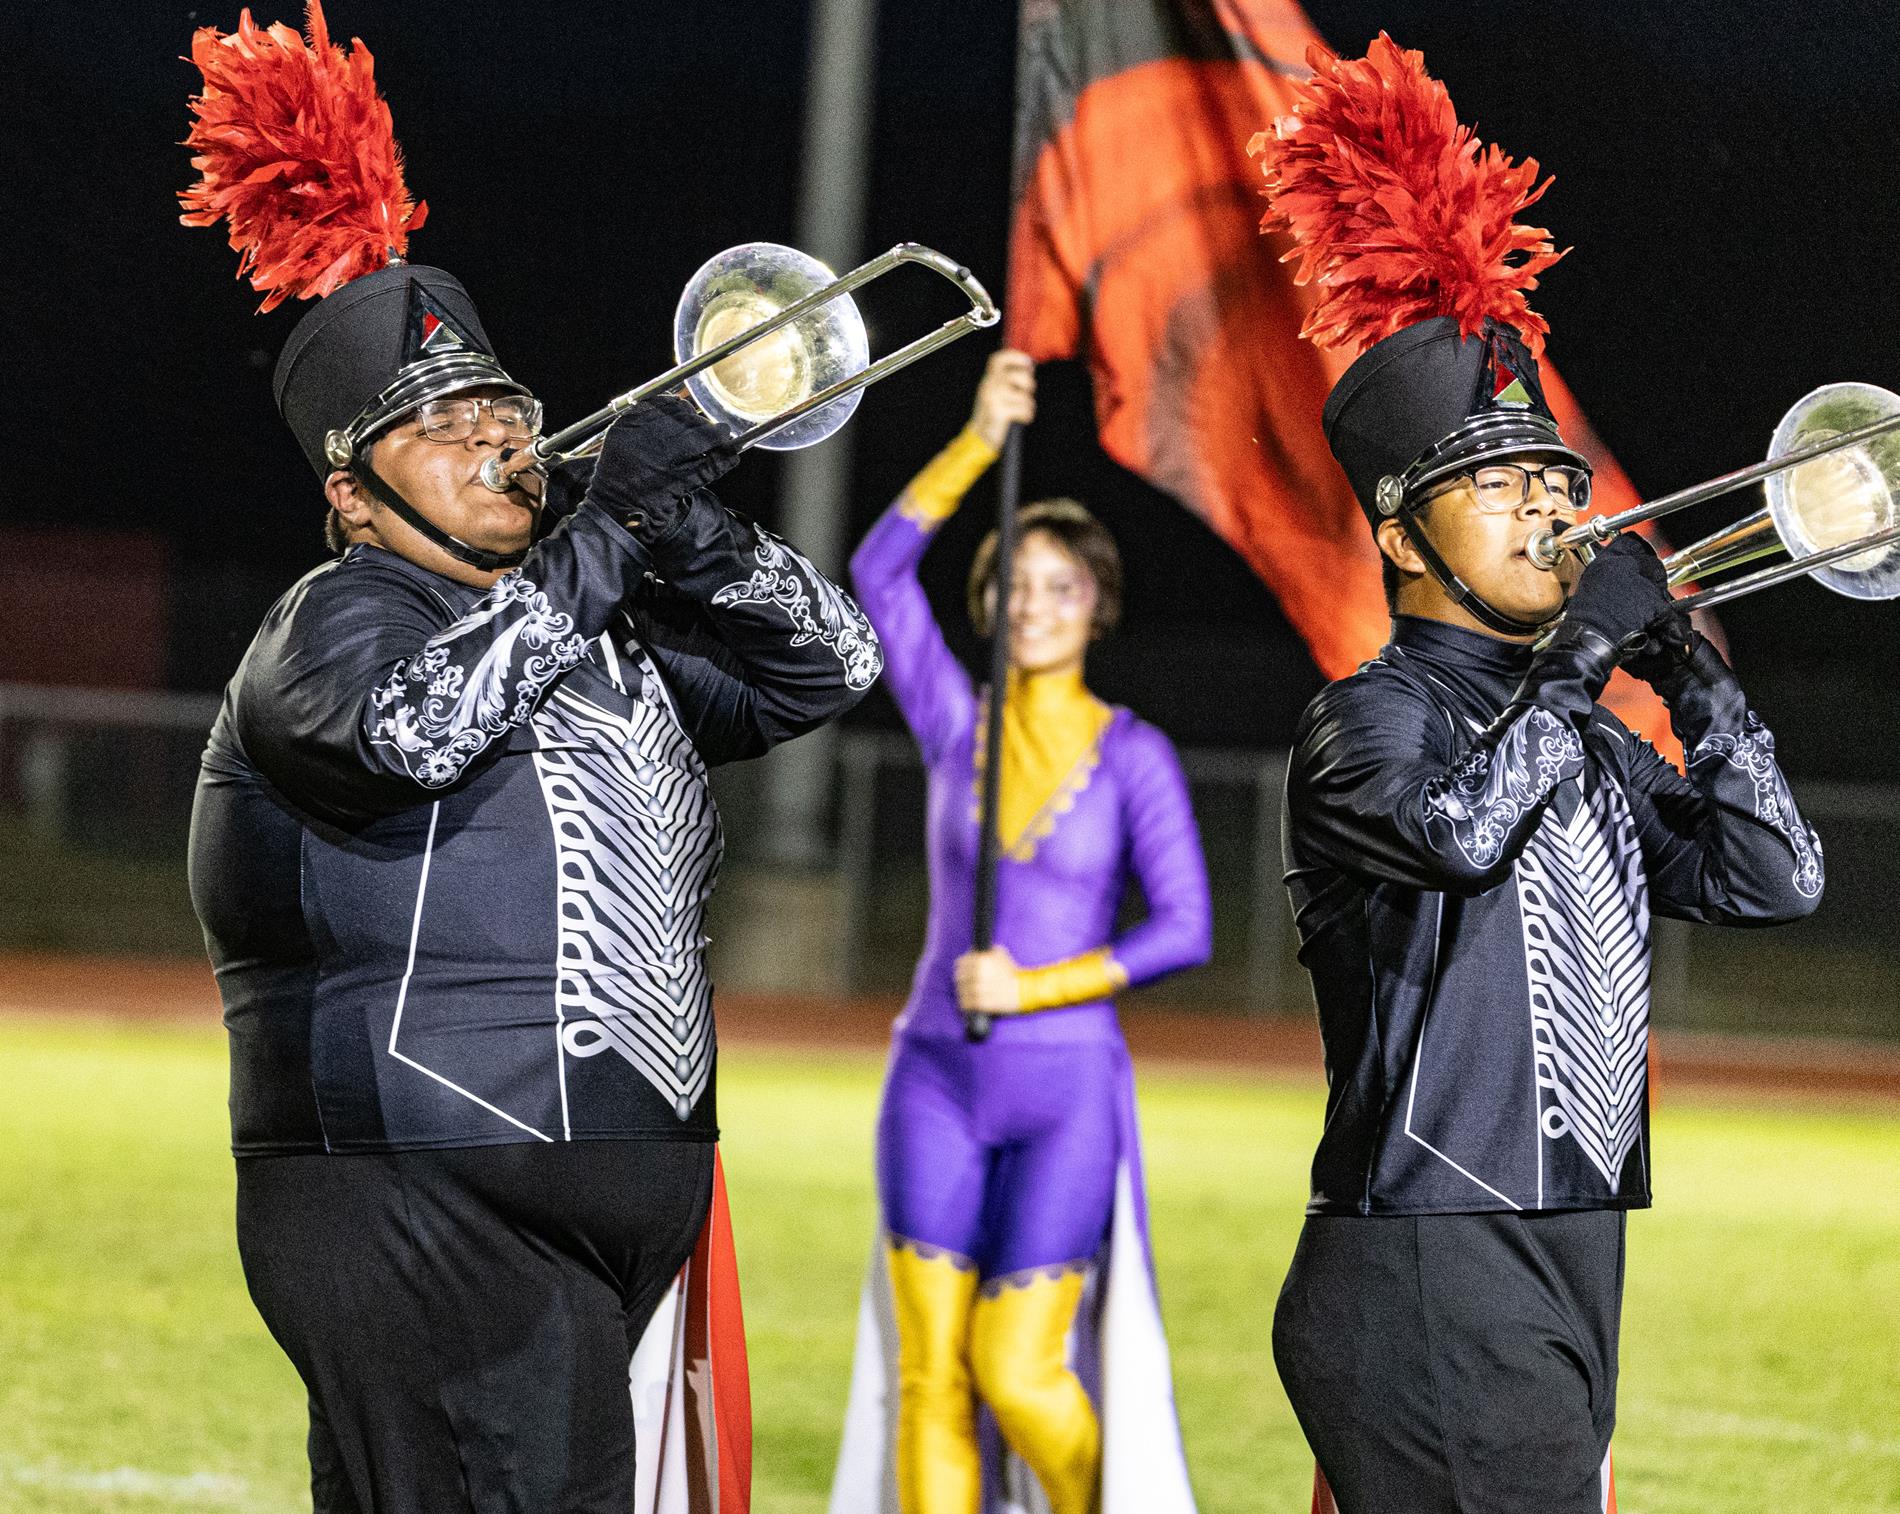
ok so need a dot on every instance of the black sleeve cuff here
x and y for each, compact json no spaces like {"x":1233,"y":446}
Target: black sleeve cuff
{"x":1567,"y":675}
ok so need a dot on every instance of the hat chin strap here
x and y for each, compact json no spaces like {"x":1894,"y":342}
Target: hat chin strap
{"x":1462,"y":594}
{"x":475,"y":557}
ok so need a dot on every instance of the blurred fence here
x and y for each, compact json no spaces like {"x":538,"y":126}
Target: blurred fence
{"x":1836,"y":973}
{"x":95,"y":799}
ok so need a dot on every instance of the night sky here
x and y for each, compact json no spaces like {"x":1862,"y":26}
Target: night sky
{"x":1725,"y":172}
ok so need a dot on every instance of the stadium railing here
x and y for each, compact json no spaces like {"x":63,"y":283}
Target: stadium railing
{"x":95,"y":799}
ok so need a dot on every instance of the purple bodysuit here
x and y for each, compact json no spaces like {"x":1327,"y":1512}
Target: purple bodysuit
{"x":1004,"y":1153}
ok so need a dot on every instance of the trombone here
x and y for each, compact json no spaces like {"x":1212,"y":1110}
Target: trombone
{"x":1830,"y":477}
{"x":769,"y":342}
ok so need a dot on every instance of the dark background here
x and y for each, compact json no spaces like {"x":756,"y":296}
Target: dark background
{"x":1726,"y":173}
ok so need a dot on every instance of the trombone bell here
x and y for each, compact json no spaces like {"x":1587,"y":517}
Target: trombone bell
{"x":1831,"y":476}
{"x":1828,"y":503}
{"x":795,"y":382}
{"x":744,"y":287}
{"x":1842,"y":496}
{"x":771,"y":375}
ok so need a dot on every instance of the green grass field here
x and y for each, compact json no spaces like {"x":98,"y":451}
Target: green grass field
{"x":1761,"y":1364}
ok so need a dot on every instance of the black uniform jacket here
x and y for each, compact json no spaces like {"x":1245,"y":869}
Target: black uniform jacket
{"x":1473,"y":851}
{"x":452,"y":847}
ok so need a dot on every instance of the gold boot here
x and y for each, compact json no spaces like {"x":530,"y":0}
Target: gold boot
{"x":938,"y":1470}
{"x":1018,"y":1341}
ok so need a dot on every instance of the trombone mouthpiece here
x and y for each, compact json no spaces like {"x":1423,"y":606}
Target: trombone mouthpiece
{"x":491,"y":475}
{"x":1545,"y":550}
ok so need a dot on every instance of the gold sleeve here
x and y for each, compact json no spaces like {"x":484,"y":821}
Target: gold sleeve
{"x":1074,"y":980}
{"x":933,"y":495}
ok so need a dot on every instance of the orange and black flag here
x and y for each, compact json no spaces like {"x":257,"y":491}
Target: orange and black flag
{"x":1135,"y":243}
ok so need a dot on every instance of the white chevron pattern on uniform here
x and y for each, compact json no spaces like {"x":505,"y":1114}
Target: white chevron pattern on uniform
{"x":1585,"y":905}
{"x":639,"y":844}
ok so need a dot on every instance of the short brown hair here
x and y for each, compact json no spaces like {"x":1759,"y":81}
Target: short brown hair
{"x":1079,"y":534}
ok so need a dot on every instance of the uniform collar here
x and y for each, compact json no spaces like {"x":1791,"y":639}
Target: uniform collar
{"x":1472,"y":649}
{"x":1486,"y":668}
{"x":462,"y":596}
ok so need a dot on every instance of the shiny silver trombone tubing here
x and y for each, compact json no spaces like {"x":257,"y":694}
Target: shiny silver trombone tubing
{"x":584,"y":436}
{"x":1786,"y":572}
{"x":1547,"y":547}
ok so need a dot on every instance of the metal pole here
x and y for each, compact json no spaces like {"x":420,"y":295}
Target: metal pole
{"x":815,"y":504}
{"x":976,"y":1027}
{"x":857,"y":847}
{"x":1268,"y":923}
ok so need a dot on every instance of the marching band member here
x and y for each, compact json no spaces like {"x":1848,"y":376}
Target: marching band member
{"x":453,"y":844}
{"x":1004,"y":1169}
{"x":1475,"y":847}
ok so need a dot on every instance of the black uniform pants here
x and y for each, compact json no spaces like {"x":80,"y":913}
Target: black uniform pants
{"x":1456,"y":1364}
{"x":464,"y":1319}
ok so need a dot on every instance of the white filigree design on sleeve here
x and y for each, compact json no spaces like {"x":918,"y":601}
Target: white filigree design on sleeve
{"x":438,"y":710}
{"x":1487,"y":793}
{"x":817,"y":608}
{"x":1753,"y":752}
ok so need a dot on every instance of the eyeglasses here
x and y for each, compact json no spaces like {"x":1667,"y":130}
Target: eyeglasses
{"x":455,"y":419}
{"x":1500,"y":488}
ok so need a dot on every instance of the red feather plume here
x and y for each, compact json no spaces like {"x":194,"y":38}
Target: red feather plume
{"x":1395,"y":210}
{"x":295,"y":148}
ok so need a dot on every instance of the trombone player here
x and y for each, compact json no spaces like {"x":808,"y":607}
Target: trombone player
{"x":1474,"y":850}
{"x":452,"y":848}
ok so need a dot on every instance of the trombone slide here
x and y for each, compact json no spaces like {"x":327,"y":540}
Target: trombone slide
{"x":583,"y":437}
{"x":1831,"y":481}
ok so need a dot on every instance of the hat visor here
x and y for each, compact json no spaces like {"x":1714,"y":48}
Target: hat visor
{"x":1498,"y":439}
{"x":433,"y":379}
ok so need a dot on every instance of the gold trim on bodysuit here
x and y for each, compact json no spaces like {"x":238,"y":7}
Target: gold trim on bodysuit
{"x":1052,"y":744}
{"x":933,"y":495}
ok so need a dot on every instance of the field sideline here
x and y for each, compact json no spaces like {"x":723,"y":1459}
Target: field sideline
{"x":1761,"y":1361}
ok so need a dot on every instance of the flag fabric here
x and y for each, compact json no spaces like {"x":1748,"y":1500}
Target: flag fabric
{"x":692,"y":1400}
{"x":1135,"y":243}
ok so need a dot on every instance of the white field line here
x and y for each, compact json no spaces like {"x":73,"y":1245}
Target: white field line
{"x":198,"y":1490}
{"x":1707,"y":1424}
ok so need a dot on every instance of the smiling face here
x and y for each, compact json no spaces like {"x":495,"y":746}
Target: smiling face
{"x":1052,"y":598}
{"x":1485,"y":548}
{"x":442,"y":480}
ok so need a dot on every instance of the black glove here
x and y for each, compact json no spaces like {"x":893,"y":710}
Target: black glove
{"x":1666,"y":652}
{"x":1623,"y":595}
{"x":567,"y":484}
{"x":654,"y":456}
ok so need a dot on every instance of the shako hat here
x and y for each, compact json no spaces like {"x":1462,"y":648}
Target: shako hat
{"x":1429,"y":402}
{"x":1407,"y":225}
{"x":370,"y":353}
{"x":295,"y":149}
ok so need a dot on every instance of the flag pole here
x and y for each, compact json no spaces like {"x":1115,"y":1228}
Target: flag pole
{"x":815,"y":483}
{"x":1009,"y":488}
